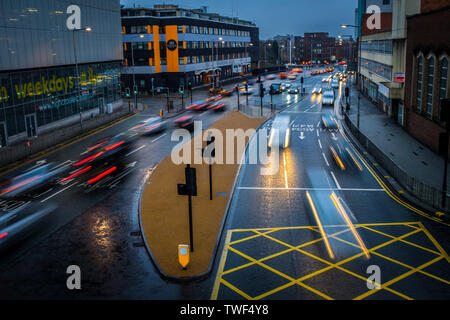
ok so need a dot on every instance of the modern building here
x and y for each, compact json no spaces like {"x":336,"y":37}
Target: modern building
{"x":168,"y":46}
{"x":427,"y":71}
{"x":383,"y":49}
{"x":39,"y":87}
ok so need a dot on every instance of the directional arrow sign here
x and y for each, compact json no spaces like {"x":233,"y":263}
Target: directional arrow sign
{"x":302,"y":135}
{"x":334,"y":137}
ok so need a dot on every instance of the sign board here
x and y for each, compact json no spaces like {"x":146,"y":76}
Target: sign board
{"x":399,"y":77}
{"x":383,"y":90}
{"x":183,"y":255}
{"x":172,"y":45}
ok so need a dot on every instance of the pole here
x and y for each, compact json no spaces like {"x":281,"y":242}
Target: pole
{"x":444,"y":183}
{"x":134,"y":76}
{"x":191,"y":237}
{"x":359,"y":80}
{"x":78,"y":78}
{"x":210,"y":182}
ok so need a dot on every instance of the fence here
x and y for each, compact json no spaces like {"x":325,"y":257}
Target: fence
{"x":423,"y":192}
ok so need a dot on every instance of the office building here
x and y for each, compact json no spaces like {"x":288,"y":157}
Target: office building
{"x":39,"y":88}
{"x":168,"y":46}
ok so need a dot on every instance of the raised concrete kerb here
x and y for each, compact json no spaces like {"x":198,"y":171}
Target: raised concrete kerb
{"x":169,"y":213}
{"x":223,"y":223}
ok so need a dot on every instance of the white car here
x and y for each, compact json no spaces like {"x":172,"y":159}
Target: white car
{"x":328,"y":98}
{"x":150,"y":126}
{"x":282,"y":126}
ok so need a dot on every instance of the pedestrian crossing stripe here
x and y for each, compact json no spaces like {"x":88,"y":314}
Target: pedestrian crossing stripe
{"x":413,"y":228}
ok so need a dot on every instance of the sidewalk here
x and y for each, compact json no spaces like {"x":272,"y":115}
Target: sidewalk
{"x":413,"y":169}
{"x":407,"y":153}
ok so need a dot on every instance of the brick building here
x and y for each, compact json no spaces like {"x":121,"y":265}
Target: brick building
{"x":427,"y":72}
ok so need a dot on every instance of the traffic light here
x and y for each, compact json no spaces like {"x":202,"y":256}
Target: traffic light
{"x":261,"y":90}
{"x":135,"y":88}
{"x":181,"y":89}
{"x":189,"y":85}
{"x":127,"y":92}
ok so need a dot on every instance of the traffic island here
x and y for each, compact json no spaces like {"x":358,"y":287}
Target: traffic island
{"x":164,"y":213}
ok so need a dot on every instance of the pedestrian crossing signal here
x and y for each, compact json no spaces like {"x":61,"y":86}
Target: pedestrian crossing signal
{"x":127,"y":92}
{"x":183,"y":255}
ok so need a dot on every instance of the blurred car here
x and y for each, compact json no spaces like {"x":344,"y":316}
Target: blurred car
{"x":270,"y":77}
{"x":328,"y":121}
{"x":200,"y":105}
{"x":109,"y":150}
{"x":226,"y":93}
{"x":150,"y":126}
{"x":217,"y":106}
{"x":328,"y":98}
{"x":26,"y":183}
{"x":287,"y":84}
{"x":294,"y":89}
{"x":280,"y":124}
{"x":335,"y":84}
{"x":185,"y":122}
{"x":250,"y":91}
{"x":275,"y":88}
{"x":283,"y":75}
{"x":317,"y":91}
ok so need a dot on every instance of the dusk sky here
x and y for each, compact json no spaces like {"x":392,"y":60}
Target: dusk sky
{"x":277,"y":17}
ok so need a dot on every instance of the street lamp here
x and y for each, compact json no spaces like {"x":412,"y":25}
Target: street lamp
{"x":87,"y":29}
{"x":213,"y":59}
{"x":344,"y":26}
{"x":134,"y":73}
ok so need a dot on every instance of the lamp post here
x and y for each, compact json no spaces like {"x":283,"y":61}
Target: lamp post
{"x":87,"y":29}
{"x":213,"y":60}
{"x":359,"y":67}
{"x":134,"y":73}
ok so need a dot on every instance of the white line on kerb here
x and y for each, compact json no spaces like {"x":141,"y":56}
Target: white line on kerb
{"x":310,"y":189}
{"x":335,"y":181}
{"x":326,"y":161}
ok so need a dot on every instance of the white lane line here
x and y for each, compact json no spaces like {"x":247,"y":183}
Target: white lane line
{"x":326,"y":161}
{"x":159,"y":137}
{"x":335,"y":181}
{"x":58,"y":192}
{"x":318,"y":124}
{"x":311,"y":189}
{"x":317,"y":132}
{"x":141,"y":147}
{"x":320,"y":144}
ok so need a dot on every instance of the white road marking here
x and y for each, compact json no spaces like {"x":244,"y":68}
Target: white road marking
{"x":320,"y":144}
{"x":159,"y":137}
{"x":335,"y":180}
{"x":58,"y":192}
{"x":326,"y":161}
{"x":317,"y":132}
{"x":141,"y":147}
{"x":311,"y":189}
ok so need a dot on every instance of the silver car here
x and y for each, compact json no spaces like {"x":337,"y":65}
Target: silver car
{"x":150,"y":126}
{"x":328,"y":98}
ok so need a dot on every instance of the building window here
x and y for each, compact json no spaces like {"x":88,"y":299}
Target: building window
{"x":419,"y":83}
{"x":430,"y":85}
{"x":443,"y":80}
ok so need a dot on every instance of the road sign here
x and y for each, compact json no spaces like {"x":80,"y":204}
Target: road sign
{"x":183,"y":255}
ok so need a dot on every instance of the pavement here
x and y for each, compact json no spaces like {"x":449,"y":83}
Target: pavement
{"x":407,"y":153}
{"x":164,"y":213}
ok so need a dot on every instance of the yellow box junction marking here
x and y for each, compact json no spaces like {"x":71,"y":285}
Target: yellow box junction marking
{"x":413,"y":228}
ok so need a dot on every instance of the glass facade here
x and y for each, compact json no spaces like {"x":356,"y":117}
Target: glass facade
{"x":34,"y":33}
{"x":377,"y":46}
{"x":379,"y":69}
{"x":51,"y":94}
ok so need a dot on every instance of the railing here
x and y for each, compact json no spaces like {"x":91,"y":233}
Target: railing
{"x":423,"y":192}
